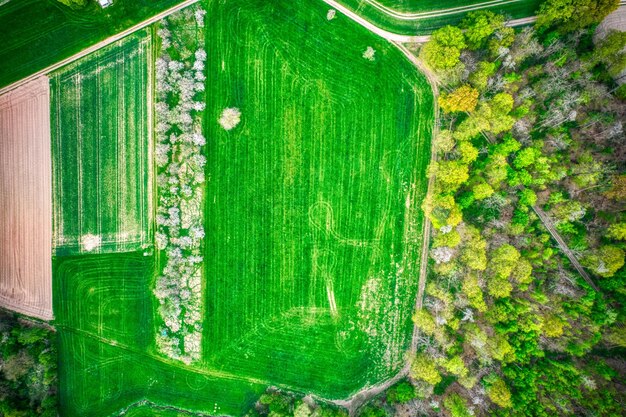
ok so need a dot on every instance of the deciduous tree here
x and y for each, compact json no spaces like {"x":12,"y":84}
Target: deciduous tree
{"x":479,"y":26}
{"x":443,"y":49}
{"x":462,"y":99}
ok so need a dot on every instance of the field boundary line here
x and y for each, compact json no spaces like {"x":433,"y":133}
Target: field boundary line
{"x":99,"y":45}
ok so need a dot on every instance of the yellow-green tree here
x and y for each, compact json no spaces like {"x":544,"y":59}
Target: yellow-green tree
{"x":570,"y":15}
{"x":424,"y":368}
{"x":443,"y":50}
{"x":617,"y":231}
{"x":499,"y":393}
{"x":604,"y":261}
{"x":462,"y":99}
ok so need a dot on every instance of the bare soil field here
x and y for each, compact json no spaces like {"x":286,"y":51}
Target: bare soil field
{"x":26,"y":200}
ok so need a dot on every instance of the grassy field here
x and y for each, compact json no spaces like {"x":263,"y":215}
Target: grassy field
{"x":39,"y":33}
{"x":312,"y":202}
{"x":422,"y":17}
{"x":312,"y":227}
{"x":101,"y":150}
{"x":104,"y":316}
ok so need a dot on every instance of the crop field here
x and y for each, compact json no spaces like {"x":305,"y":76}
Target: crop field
{"x":311,"y":215}
{"x":312,"y":203}
{"x":104,"y":316}
{"x":421,"y":17}
{"x":39,"y":33}
{"x":101,"y":150}
{"x":26,"y":200}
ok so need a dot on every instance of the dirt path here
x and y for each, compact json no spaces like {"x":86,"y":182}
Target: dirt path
{"x":564,"y":248}
{"x":426,"y":229}
{"x":99,"y":45}
{"x":407,"y":16}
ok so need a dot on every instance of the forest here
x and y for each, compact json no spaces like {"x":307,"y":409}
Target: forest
{"x":28,"y":365}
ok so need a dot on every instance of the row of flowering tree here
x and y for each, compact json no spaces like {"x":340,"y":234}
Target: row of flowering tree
{"x":180,"y":163}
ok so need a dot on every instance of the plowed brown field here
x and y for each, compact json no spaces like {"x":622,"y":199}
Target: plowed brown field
{"x":26,"y":200}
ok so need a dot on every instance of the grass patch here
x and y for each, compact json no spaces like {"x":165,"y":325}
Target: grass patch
{"x":104,"y":316}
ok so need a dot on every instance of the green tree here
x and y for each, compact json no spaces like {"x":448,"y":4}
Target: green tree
{"x":442,"y":210}
{"x":480,"y":77}
{"x":462,"y":99}
{"x":456,"y":406}
{"x":525,"y":158}
{"x":617,"y":231}
{"x":604,"y":261}
{"x":499,"y":393}
{"x":570,"y":15}
{"x":443,"y":50}
{"x":610,"y":51}
{"x":401,"y":393}
{"x":527,"y":197}
{"x":479,"y":26}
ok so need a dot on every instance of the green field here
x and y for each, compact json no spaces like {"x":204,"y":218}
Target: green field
{"x":311,"y":249}
{"x":104,"y":316}
{"x":101,"y":149}
{"x":312,"y":220}
{"x":39,"y":33}
{"x":421,"y":17}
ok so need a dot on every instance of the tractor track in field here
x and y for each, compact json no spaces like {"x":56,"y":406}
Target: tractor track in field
{"x":99,"y":45}
{"x":361,"y":397}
